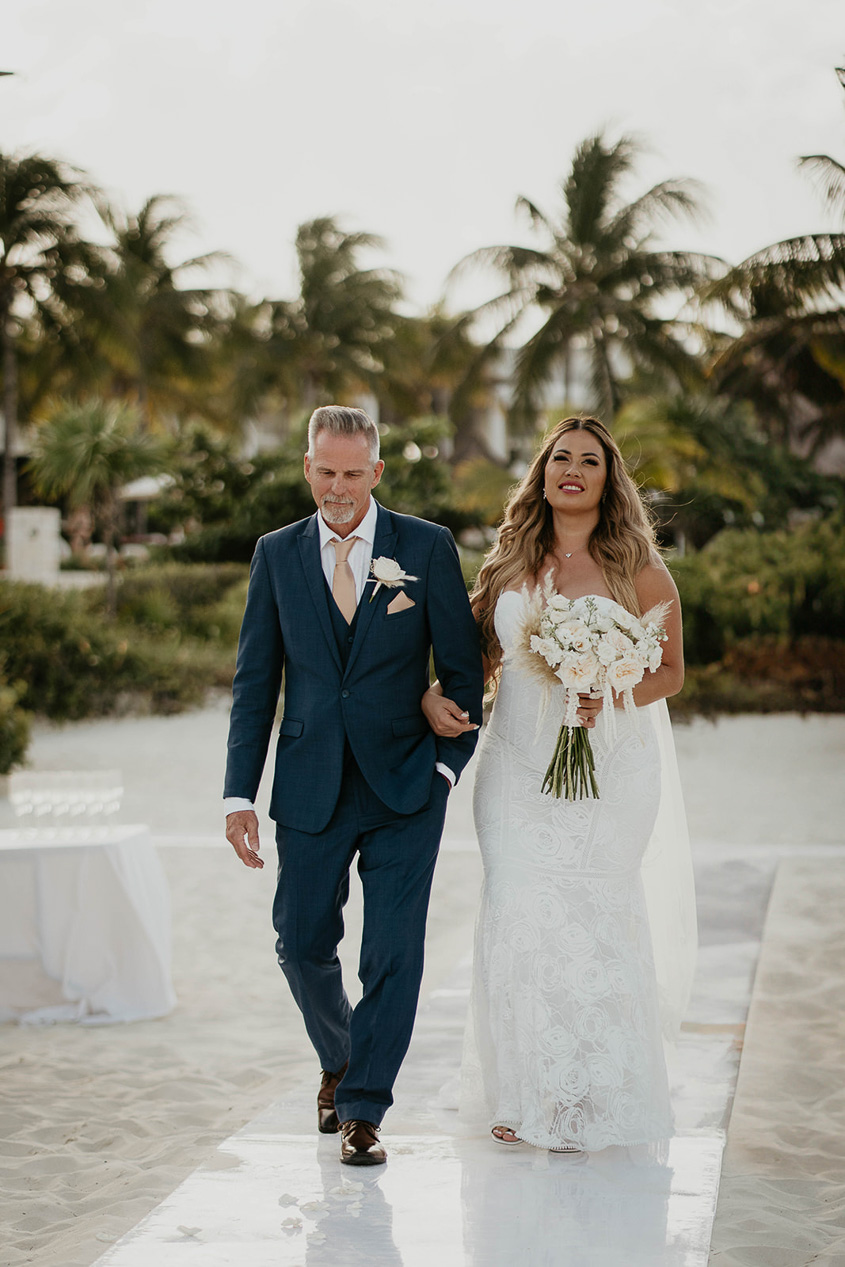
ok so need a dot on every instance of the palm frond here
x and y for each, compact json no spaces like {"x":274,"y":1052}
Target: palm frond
{"x":790,"y":275}
{"x":598,"y":168}
{"x":512,"y":261}
{"x":538,"y":219}
{"x":667,"y":202}
{"x":829,"y":175}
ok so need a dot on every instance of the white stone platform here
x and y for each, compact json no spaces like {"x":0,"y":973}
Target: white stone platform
{"x":284,"y":1201}
{"x":275,"y":1194}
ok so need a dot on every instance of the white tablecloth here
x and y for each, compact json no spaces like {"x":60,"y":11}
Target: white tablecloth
{"x":84,"y":926}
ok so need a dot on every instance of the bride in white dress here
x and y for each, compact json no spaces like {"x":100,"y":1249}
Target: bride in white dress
{"x":569,"y":1007}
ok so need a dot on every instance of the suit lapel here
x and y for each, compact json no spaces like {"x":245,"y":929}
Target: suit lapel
{"x":312,"y":566}
{"x":384,"y":544}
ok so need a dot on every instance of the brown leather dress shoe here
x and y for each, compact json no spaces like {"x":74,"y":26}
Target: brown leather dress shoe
{"x":327,"y":1123}
{"x":359,"y":1145}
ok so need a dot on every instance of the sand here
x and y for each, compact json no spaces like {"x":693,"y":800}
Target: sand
{"x":98,"y":1125}
{"x":782,"y":1195}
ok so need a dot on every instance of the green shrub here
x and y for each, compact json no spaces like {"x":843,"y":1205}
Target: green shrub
{"x":787,"y":584}
{"x":202,"y":600}
{"x":767,"y":675}
{"x":71,"y":662}
{"x":14,"y":727}
{"x":173,"y":673}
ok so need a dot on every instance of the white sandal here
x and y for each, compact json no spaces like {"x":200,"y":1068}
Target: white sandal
{"x":499,"y":1133}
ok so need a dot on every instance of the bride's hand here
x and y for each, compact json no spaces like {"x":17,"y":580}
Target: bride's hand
{"x":443,"y":715}
{"x":589,"y":707}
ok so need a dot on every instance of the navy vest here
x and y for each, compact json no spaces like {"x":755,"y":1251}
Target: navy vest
{"x":344,"y":634}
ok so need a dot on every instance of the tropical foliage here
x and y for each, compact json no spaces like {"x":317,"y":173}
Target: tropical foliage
{"x":596,"y":283}
{"x":40,"y":248}
{"x":330,"y":342}
{"x":67,"y":662}
{"x":146,"y":332}
{"x":85,"y":453}
{"x":223,"y":503}
{"x":788,"y":301}
{"x":706,"y":465}
{"x":725,"y":385}
{"x":14,"y":726}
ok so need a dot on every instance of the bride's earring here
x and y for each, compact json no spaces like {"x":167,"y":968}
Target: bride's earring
{"x":545,"y":498}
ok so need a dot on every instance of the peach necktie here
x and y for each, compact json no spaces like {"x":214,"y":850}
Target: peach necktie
{"x":343,"y":582}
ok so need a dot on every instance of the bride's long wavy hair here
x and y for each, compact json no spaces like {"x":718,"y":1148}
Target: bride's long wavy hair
{"x":622,"y":543}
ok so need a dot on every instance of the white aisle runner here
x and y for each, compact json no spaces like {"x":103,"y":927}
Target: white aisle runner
{"x":275,"y":1194}
{"x":284,"y":1201}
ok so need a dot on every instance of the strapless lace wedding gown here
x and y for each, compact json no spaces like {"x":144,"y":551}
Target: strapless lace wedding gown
{"x":564,"y":1041}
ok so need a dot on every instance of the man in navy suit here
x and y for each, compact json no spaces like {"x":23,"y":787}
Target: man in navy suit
{"x":350,"y":604}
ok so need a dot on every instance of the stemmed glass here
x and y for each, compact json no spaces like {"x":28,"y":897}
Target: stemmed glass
{"x":88,"y":797}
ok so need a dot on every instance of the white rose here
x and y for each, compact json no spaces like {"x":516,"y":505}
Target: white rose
{"x":569,"y":634}
{"x":558,"y":603}
{"x":548,"y":649}
{"x":625,"y":673}
{"x":580,"y":639}
{"x":579,"y":672}
{"x":606,"y":653}
{"x":655,"y":659}
{"x":619,"y":640}
{"x":387,"y":570}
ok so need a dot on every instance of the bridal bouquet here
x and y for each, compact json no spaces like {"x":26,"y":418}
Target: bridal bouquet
{"x":587,"y":647}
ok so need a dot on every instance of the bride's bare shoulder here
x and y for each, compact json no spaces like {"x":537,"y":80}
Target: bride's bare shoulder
{"x":654,"y":584}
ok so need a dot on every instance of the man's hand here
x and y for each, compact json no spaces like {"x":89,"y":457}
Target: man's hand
{"x":242,"y":835}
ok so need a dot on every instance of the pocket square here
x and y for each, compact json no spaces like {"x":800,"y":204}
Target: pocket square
{"x":400,"y":603}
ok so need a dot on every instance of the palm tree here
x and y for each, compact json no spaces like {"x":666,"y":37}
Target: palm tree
{"x":596,"y":282}
{"x":148,"y":336}
{"x":39,"y":246}
{"x":428,"y":366}
{"x":789,"y":357}
{"x":86,"y":453}
{"x":339,"y":329}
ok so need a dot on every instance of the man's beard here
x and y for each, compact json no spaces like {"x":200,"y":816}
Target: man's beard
{"x":337,"y":513}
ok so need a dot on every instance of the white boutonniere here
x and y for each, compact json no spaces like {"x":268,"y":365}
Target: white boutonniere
{"x":389,"y":573}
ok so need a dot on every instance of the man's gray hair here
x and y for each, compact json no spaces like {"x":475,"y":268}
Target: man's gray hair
{"x":341,"y":420}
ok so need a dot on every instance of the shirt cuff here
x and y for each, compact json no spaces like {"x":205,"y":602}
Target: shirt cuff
{"x":231,"y":804}
{"x":446,"y":772}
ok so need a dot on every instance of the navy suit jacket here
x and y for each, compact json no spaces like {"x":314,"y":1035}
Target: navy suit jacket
{"x":374,"y":703}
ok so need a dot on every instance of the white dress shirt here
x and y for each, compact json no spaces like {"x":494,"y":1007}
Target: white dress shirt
{"x":360,"y":556}
{"x":359,"y":559}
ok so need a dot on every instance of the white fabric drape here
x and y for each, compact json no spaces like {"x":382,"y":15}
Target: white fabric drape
{"x":87,"y":923}
{"x":667,"y":876}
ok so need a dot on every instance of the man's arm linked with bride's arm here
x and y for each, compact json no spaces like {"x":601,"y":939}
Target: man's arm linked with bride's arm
{"x":456,"y":660}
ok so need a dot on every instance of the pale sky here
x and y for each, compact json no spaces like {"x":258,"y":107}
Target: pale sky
{"x":423,"y":122}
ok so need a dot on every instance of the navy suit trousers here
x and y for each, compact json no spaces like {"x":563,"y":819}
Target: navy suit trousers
{"x":396,"y":858}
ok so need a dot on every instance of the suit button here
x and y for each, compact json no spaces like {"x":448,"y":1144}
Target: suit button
{"x":344,"y":695}
{"x":350,"y":641}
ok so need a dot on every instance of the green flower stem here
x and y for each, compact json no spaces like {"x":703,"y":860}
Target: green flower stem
{"x":572,"y":769}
